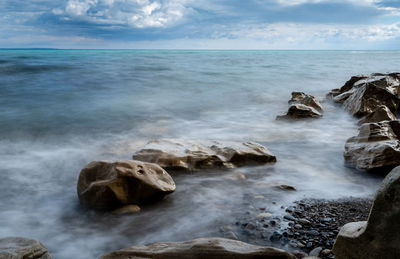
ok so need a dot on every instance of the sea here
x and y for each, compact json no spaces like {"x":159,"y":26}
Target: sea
{"x":61,"y":109}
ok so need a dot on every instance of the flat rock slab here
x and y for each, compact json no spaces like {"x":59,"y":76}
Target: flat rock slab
{"x":111,"y":185}
{"x":210,"y":248}
{"x":22,"y":248}
{"x":189,"y":155}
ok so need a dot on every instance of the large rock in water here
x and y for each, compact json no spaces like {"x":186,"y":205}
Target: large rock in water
{"x":21,"y":248}
{"x":377,"y":146}
{"x":379,"y":237}
{"x":210,"y":248}
{"x":191,"y":155}
{"x":302,"y":106}
{"x":107,"y":185}
{"x":362,"y":95}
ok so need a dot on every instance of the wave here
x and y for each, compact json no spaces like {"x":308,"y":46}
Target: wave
{"x":13,"y":69}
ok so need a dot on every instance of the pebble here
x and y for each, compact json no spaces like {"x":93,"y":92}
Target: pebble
{"x":304,"y":221}
{"x":316,"y":251}
{"x":289,"y":217}
{"x":264,"y":215}
{"x":326,"y":252}
{"x":298,"y":226}
{"x":313,"y":232}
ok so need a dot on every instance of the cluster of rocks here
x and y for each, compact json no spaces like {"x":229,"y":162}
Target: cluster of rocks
{"x":375,"y":100}
{"x":302,"y":106}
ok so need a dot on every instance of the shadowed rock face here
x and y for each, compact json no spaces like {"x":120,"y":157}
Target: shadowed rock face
{"x":376,"y":147}
{"x":107,"y":185}
{"x":210,"y":248}
{"x":192,"y":155}
{"x":379,"y":237}
{"x":302,"y":106}
{"x":381,"y":113}
{"x":21,"y":248}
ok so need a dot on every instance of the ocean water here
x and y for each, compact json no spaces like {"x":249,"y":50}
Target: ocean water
{"x":61,"y":109}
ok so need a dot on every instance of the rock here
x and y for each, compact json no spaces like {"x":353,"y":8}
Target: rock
{"x":381,"y":113}
{"x":264,"y":215}
{"x":129,"y":209}
{"x":379,"y":237}
{"x":304,"y":221}
{"x":326,"y":252}
{"x":192,"y":155}
{"x":289,"y":217}
{"x":286,"y":187}
{"x":300,"y":111}
{"x":110,"y":185}
{"x":305,"y":99}
{"x":376,"y":147}
{"x":315,"y":252}
{"x":21,"y":248}
{"x":210,"y":248}
{"x":362,"y":95}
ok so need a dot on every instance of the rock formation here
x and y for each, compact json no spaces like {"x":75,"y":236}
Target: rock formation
{"x":107,"y":185}
{"x":191,"y":155}
{"x":21,"y":248}
{"x":379,"y":237}
{"x":302,"y":106}
{"x":210,"y":248}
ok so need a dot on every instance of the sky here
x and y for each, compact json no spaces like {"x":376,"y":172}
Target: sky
{"x":201,"y":24}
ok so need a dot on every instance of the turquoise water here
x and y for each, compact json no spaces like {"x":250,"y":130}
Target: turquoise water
{"x":61,"y":109}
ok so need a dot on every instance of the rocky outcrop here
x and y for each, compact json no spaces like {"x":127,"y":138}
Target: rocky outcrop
{"x":21,"y":248}
{"x":376,"y":147}
{"x":210,"y":248}
{"x":192,"y":155}
{"x":111,"y":185}
{"x":381,"y":113}
{"x":379,"y":237}
{"x":302,"y":106}
{"x":362,"y":95}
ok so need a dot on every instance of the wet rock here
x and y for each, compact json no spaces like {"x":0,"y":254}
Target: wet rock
{"x":286,"y":187}
{"x":20,"y":248}
{"x":264,"y":215}
{"x":110,"y":185}
{"x":376,"y":147}
{"x":305,"y":99}
{"x":289,"y":217}
{"x":190,"y":155}
{"x":212,"y":248}
{"x":300,"y":111}
{"x":315,"y":251}
{"x":129,"y":209}
{"x":379,"y":237}
{"x":381,"y":113}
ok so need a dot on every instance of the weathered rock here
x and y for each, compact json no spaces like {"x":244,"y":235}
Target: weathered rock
{"x":110,"y":185}
{"x":300,"y":111}
{"x":210,"y":248}
{"x":191,"y":155}
{"x":377,"y":146}
{"x":379,"y":237}
{"x":286,"y":187}
{"x":362,"y":95}
{"x":21,"y":248}
{"x":128,"y":209}
{"x":381,"y":113}
{"x":306,"y":99}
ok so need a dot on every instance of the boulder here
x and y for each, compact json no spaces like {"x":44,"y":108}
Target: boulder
{"x":381,"y":113}
{"x":210,"y":248}
{"x":305,"y":99}
{"x":362,"y":95}
{"x":21,"y":248}
{"x":376,"y":148}
{"x":111,"y":185}
{"x":300,"y":111}
{"x":190,"y":155}
{"x":379,"y":237}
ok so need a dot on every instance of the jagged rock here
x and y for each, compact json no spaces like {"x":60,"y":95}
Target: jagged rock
{"x":191,"y":155}
{"x":362,"y":95}
{"x":379,"y":237}
{"x":306,"y":99}
{"x":377,"y":146}
{"x":110,"y":185}
{"x":21,"y":248}
{"x":210,"y":248}
{"x":300,"y":111}
{"x":381,"y":113}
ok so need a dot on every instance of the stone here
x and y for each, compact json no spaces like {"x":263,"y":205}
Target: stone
{"x":315,"y":252}
{"x":188,"y":155}
{"x":289,"y":217}
{"x":128,"y":209}
{"x":111,"y":185}
{"x":379,"y":237}
{"x":264,"y":215}
{"x":286,"y":187}
{"x":300,"y":111}
{"x":376,"y":148}
{"x":306,"y":99}
{"x":21,"y":248}
{"x":210,"y":248}
{"x":381,"y":113}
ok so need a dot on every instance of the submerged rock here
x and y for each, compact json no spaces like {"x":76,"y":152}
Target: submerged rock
{"x":376,"y":147}
{"x":110,"y":185}
{"x":210,"y":248}
{"x":190,"y":155}
{"x":21,"y":248}
{"x":302,"y":106}
{"x":379,"y":237}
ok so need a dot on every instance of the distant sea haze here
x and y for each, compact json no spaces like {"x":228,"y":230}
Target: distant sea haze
{"x":61,"y":109}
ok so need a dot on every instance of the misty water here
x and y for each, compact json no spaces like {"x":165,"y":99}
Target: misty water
{"x":61,"y":109}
